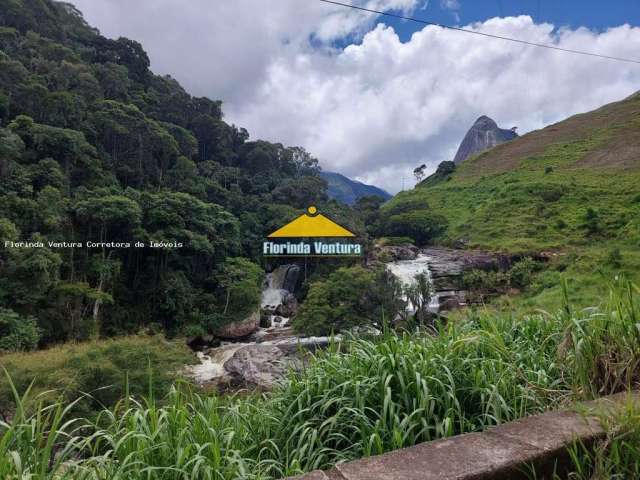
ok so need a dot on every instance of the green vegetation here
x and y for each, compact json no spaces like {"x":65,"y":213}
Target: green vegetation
{"x":98,"y":153}
{"x":363,"y":397}
{"x":17,"y":333}
{"x":96,"y":148}
{"x":618,"y":455}
{"x":483,"y":283}
{"x":99,"y":369}
{"x":569,"y":190}
{"x":349,"y":297}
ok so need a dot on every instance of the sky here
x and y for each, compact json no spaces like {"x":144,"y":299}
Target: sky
{"x":373,"y":97}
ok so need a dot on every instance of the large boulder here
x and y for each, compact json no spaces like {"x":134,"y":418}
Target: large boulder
{"x":292,"y":278}
{"x":202,"y":342}
{"x":259,"y":366}
{"x":240,"y":329}
{"x":265,"y":320}
{"x":288,"y":307}
{"x":451,"y":302}
{"x":285,"y":277}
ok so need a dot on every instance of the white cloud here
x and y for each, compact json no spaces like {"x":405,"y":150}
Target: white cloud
{"x":379,"y":107}
{"x":450,"y":4}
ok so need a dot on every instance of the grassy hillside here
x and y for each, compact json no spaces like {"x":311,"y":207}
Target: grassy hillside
{"x":572,"y":189}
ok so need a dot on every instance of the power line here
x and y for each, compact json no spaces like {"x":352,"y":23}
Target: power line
{"x":483,"y":34}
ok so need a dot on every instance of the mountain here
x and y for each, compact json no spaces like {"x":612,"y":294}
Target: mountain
{"x":567,"y":193}
{"x":482,"y":135}
{"x":349,"y":191}
{"x":543,"y":189}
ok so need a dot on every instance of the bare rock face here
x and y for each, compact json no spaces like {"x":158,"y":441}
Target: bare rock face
{"x":484,"y":134}
{"x":397,"y":252}
{"x":240,"y":329}
{"x":259,"y":366}
{"x":288,"y":307}
{"x":451,"y":302}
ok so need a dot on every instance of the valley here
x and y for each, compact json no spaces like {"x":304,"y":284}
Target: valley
{"x":160,"y":319}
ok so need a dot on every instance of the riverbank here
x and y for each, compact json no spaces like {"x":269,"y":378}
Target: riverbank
{"x":362,"y":398}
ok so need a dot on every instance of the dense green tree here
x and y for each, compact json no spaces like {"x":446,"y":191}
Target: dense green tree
{"x":11,"y":149}
{"x":114,"y":81}
{"x":17,"y":333}
{"x":301,"y":192}
{"x":96,"y":148}
{"x":75,"y":303}
{"x":241,"y":281}
{"x":4,"y":108}
{"x":420,"y":225}
{"x":140,"y":150}
{"x":369,"y":210}
{"x":108,"y":217}
{"x":349,"y":297}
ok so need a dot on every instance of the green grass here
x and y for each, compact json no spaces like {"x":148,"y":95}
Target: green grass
{"x":618,"y":455}
{"x":96,"y":368}
{"x":364,"y":397}
{"x":531,"y":209}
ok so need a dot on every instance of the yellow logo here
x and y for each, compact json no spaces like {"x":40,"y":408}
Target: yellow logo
{"x":311,"y":224}
{"x":307,"y":225}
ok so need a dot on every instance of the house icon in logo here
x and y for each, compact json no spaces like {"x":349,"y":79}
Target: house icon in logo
{"x":311,"y":224}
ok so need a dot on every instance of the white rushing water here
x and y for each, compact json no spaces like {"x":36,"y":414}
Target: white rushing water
{"x":272,"y":292}
{"x":211,"y":366}
{"x":406,"y":271}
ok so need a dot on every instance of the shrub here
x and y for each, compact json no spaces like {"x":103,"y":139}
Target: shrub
{"x":98,"y":368}
{"x":591,"y":221}
{"x":398,"y":241}
{"x":546,"y":191}
{"x":17,"y":333}
{"x":347,"y":298}
{"x":420,"y":225}
{"x":614,"y":258}
{"x":521,"y":272}
{"x":484,"y":281}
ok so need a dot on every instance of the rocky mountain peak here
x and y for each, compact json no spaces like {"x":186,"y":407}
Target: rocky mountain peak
{"x":483,"y":134}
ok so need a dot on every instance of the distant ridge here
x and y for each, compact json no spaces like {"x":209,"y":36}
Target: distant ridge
{"x":482,"y":135}
{"x":349,"y":191}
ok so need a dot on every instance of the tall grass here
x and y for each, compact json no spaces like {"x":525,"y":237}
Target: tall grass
{"x":360,"y":398}
{"x":602,"y":346}
{"x":37,"y":445}
{"x":618,"y":455}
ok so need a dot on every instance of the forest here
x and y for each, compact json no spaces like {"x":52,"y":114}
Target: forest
{"x":132,"y":221}
{"x":98,"y":153}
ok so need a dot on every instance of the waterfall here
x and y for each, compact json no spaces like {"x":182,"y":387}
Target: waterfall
{"x":406,"y":271}
{"x":278,"y":283}
{"x":272,"y":291}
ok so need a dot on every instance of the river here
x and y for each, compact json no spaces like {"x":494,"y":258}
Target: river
{"x":277,"y":295}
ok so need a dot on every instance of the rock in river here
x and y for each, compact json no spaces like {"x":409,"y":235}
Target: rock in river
{"x":240,"y":329}
{"x":259,"y":366}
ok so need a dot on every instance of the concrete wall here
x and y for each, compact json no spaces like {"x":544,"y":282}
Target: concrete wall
{"x":507,"y":451}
